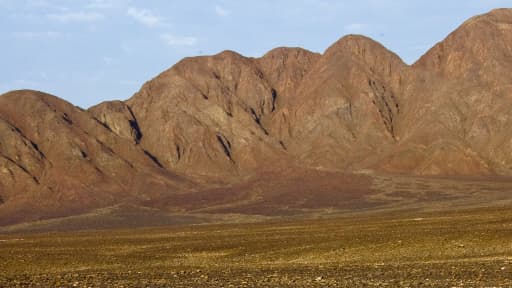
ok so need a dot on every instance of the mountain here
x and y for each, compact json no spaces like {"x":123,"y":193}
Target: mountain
{"x":458,"y":95}
{"x":57,"y":160}
{"x":471,"y":104}
{"x":290,"y":130}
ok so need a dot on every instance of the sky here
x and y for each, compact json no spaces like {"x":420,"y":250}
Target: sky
{"x":89,"y":51}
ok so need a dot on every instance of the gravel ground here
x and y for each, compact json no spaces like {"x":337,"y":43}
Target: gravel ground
{"x":462,"y":249}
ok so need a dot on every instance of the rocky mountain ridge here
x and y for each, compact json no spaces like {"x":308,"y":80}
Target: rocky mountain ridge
{"x":224,"y":120}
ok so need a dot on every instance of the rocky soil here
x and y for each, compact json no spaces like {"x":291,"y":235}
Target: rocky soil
{"x":458,"y":249}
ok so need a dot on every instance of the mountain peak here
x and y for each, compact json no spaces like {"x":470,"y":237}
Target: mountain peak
{"x":481,"y":45}
{"x":229,"y":54}
{"x":17,"y":95}
{"x":500,"y":15}
{"x":362,"y":48}
{"x":284,"y":51}
{"x":354,"y":42}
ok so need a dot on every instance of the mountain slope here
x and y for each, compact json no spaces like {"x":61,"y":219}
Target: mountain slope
{"x":57,"y":160}
{"x":227,"y":132}
{"x":471,"y":89}
{"x":217,"y":115}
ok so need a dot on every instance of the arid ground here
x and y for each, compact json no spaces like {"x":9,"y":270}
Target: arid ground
{"x":468,"y":248}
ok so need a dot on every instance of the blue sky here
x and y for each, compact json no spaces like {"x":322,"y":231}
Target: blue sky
{"x":88,"y":51}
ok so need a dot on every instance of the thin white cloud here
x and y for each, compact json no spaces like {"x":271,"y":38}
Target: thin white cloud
{"x":108,"y":60}
{"x":99,"y":4}
{"x":126,"y":48}
{"x":177,"y":41}
{"x":222,"y":12}
{"x":76,"y":16}
{"x":145,"y":17}
{"x":36,"y":3}
{"x":355,"y":27}
{"x":37,"y":35}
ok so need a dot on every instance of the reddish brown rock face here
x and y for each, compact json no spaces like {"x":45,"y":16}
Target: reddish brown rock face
{"x":223,"y":119}
{"x":57,"y":160}
{"x":467,"y":77}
